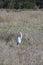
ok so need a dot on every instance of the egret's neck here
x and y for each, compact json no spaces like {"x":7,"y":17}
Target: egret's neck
{"x":21,"y":35}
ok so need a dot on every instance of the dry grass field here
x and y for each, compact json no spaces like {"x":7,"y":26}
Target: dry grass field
{"x":30,"y":51}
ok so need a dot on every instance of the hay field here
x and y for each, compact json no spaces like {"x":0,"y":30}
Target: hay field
{"x":30,"y":51}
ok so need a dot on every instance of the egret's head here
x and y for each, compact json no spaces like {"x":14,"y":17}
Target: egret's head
{"x":20,"y":33}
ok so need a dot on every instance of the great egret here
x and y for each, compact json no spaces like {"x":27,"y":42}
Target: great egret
{"x":19,"y":38}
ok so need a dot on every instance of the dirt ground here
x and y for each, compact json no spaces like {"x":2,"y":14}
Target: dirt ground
{"x":30,"y":51}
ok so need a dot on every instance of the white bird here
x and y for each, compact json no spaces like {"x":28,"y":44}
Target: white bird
{"x":19,"y":38}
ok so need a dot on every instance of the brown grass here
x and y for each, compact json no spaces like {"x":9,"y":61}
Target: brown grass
{"x":30,"y":51}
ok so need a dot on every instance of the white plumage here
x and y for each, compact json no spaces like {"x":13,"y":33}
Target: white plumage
{"x":19,"y":39}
